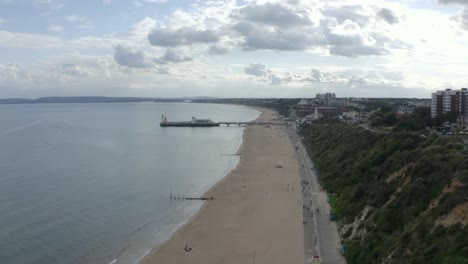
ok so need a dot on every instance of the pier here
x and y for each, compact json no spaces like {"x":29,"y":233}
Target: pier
{"x":208,"y":123}
{"x":229,"y":123}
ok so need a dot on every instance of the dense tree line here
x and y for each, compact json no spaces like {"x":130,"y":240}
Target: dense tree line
{"x":400,"y":176}
{"x":418,"y":120}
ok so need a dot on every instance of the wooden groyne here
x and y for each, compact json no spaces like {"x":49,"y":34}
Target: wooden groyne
{"x":190,"y":198}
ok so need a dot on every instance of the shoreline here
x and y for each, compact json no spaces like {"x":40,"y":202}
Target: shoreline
{"x":208,"y":215}
{"x":205,"y":194}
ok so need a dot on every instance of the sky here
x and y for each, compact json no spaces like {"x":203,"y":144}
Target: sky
{"x":245,"y":48}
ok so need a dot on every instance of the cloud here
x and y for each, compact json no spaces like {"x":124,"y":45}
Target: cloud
{"x":11,"y":72}
{"x":76,"y":19}
{"x":82,"y":22}
{"x":316,"y":76}
{"x":326,"y":28}
{"x":173,"y":56}
{"x":184,"y":36}
{"x":462,"y":18}
{"x":462,"y":2}
{"x":359,"y":78}
{"x":358,"y":50}
{"x":347,"y":12}
{"x":72,"y":69}
{"x":55,"y":28}
{"x":127,"y":57}
{"x":273,"y":14}
{"x":261,"y":72}
{"x":27,"y":40}
{"x":258,"y":37}
{"x":340,"y":30}
{"x":256,"y":69}
{"x":218,"y":50}
{"x":388,"y":15}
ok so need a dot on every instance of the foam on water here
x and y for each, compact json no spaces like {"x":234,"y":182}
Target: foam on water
{"x":8,"y":131}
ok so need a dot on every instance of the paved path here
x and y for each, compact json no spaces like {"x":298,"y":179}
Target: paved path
{"x":320,"y":234}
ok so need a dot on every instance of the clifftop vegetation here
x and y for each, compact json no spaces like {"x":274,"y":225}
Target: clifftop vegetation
{"x":399,"y":197}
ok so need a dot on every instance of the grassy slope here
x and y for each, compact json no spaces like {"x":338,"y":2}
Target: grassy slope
{"x":401,"y":177}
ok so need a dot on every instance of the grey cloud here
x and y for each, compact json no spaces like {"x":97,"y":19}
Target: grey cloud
{"x":276,"y":80}
{"x":130,"y":58}
{"x":462,"y":18}
{"x":260,"y":71}
{"x":275,"y":26}
{"x":274,"y":14}
{"x":346,"y":12}
{"x":302,"y":37}
{"x":388,"y":15}
{"x":463,"y":2}
{"x":217,"y":50}
{"x":256,"y":37}
{"x":163,"y":70}
{"x":184,"y":36}
{"x":354,"y":51}
{"x":72,"y":69}
{"x":344,"y":40}
{"x":316,"y":76}
{"x":173,"y":56}
{"x":385,"y":41}
{"x":9,"y":72}
{"x":256,"y":69}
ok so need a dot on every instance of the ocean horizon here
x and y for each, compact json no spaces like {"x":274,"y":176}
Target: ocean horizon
{"x":90,"y":183}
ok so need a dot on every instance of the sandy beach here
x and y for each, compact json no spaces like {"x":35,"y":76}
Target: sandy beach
{"x":256,"y":214}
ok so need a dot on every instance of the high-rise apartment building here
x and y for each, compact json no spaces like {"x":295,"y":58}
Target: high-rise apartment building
{"x":450,"y":101}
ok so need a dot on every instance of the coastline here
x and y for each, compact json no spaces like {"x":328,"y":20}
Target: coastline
{"x":210,"y":231}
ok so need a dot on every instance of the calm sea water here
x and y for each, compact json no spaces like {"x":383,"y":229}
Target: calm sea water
{"x":90,"y":183}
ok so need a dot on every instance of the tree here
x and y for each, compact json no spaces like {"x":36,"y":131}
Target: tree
{"x":445,"y":117}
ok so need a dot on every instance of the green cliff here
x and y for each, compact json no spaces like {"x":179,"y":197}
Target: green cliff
{"x":399,"y":197}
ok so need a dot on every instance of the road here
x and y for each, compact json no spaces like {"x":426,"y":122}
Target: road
{"x":320,"y":234}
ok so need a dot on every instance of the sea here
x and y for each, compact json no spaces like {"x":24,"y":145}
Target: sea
{"x":91,"y":183}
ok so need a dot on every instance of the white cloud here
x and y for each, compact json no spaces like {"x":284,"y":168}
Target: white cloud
{"x":80,"y":21}
{"x":27,"y":40}
{"x":76,"y":19}
{"x":55,"y":28}
{"x":11,"y":72}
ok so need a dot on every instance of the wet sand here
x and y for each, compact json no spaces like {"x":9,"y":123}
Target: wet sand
{"x":256,"y":214}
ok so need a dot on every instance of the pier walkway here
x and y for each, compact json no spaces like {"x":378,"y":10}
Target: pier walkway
{"x":229,"y":123}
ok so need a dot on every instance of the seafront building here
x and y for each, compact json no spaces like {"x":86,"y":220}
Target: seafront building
{"x":450,"y":101}
{"x":323,"y":105}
